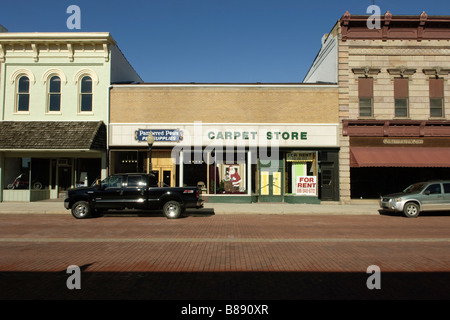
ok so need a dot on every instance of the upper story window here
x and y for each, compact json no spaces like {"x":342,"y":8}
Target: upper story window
{"x":401,"y":96}
{"x":23,"y":95}
{"x":54,"y":94}
{"x":365,"y":94}
{"x":86,"y":94}
{"x":437,"y":97}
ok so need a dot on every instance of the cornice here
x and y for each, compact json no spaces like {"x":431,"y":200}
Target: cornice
{"x":67,"y":40}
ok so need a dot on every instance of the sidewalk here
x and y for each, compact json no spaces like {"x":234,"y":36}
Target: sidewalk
{"x":366,"y":207}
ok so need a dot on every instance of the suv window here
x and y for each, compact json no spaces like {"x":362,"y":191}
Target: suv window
{"x":112,"y":182}
{"x":135,"y":181}
{"x":446,"y":187}
{"x":434,"y":188}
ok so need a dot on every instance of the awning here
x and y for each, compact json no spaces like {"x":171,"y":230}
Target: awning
{"x":399,"y":157}
{"x":52,"y":135}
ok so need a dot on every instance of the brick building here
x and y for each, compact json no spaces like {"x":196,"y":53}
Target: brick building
{"x":239,"y":142}
{"x":394,"y":93}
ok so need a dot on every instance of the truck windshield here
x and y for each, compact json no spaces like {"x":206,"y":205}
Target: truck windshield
{"x":414,"y":187}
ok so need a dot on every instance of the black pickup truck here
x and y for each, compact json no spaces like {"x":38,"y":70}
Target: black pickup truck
{"x":131,"y":191}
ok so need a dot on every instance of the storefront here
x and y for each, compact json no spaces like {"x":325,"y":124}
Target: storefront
{"x":41,"y":159}
{"x":388,"y":156}
{"x":234,"y":162}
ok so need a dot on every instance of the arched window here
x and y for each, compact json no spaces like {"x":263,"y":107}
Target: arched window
{"x":23,"y":95}
{"x":86,"y":94}
{"x":54,"y":94}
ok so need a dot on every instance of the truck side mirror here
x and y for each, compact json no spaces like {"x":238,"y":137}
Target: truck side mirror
{"x":427,"y":192}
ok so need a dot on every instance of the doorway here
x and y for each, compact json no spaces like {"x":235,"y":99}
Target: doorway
{"x":64,"y":178}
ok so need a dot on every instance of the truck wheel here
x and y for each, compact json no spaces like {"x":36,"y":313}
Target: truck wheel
{"x":81,"y":210}
{"x":172,"y":209}
{"x":411,"y":210}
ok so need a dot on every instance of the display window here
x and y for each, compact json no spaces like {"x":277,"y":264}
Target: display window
{"x":301,"y":173}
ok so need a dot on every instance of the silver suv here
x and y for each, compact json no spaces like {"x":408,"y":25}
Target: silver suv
{"x":422,"y":196}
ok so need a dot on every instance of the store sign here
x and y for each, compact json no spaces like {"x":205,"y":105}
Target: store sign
{"x":226,"y":135}
{"x":306,"y":185}
{"x":165,"y":135}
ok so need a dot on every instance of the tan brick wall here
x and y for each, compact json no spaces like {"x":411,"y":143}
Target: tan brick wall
{"x":224,"y":104}
{"x":393,"y":54}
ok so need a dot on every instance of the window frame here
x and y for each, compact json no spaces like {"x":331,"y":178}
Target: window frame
{"x":401,"y":96}
{"x":51,"y":94}
{"x":19,"y":94}
{"x":365,"y":95}
{"x":436,"y":94}
{"x":81,"y":94}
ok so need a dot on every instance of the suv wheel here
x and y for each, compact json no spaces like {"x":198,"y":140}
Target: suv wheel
{"x":411,"y":210}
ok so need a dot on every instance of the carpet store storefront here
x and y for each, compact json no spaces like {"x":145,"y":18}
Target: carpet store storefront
{"x":234,"y":163}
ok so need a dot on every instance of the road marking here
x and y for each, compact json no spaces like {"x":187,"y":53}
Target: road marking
{"x":234,"y":240}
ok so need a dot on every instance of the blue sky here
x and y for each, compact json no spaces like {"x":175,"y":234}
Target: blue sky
{"x":269,"y":41}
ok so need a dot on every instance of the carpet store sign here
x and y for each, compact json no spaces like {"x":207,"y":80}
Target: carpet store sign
{"x":199,"y":134}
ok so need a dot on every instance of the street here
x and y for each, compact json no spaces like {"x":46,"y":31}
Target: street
{"x":205,"y":256}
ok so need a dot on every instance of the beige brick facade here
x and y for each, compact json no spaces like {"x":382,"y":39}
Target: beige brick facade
{"x":224,"y":104}
{"x":420,"y":59}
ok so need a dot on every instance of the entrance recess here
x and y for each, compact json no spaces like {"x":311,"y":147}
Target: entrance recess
{"x":271,"y":177}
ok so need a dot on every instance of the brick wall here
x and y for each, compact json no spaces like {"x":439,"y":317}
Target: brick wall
{"x":224,"y":104}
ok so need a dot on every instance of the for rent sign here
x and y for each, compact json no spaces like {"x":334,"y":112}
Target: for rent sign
{"x":306,"y":185}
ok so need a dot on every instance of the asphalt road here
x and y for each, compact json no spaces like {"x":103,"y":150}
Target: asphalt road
{"x":230,"y":257}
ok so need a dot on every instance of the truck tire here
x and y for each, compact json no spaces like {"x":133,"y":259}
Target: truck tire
{"x":172,"y":209}
{"x":81,"y":210}
{"x":411,"y":210}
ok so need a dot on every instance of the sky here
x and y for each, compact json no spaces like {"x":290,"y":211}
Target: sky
{"x":208,"y":41}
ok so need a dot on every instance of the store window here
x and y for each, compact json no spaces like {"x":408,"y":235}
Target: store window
{"x":127,"y":161}
{"x":18,"y":171}
{"x":301,"y":174}
{"x":23,"y":95}
{"x":215,"y":172}
{"x":228,"y":173}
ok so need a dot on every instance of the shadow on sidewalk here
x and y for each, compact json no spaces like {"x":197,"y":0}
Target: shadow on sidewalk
{"x":224,"y":286}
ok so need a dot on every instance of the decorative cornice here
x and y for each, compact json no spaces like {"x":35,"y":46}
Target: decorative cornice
{"x":401,"y":71}
{"x":70,"y":40}
{"x":366,"y":71}
{"x":436,"y":71}
{"x":396,"y":27}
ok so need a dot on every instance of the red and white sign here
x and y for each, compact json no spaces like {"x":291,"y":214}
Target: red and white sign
{"x":306,"y":185}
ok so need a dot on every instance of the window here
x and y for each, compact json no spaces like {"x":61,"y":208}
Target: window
{"x":23,"y":95}
{"x":446,"y":187}
{"x":437,"y":98}
{"x":365,"y":93}
{"x":401,"y":97}
{"x":54,"y":94}
{"x":135,"y":181}
{"x":434,"y":189}
{"x":112,"y":182}
{"x":86,"y":94}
